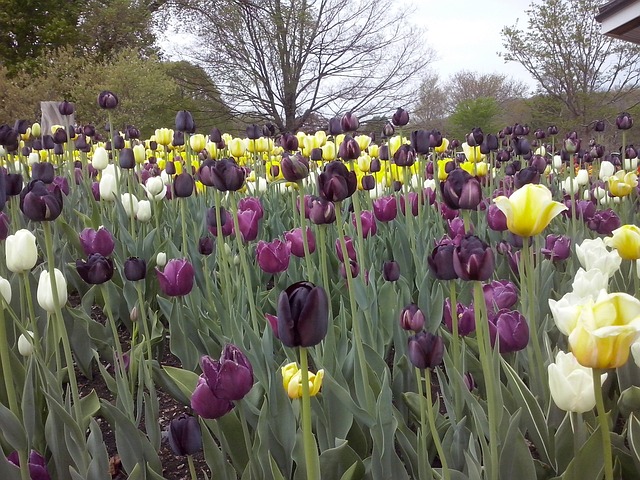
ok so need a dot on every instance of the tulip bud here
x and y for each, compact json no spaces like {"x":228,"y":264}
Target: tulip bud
{"x":184,"y":435}
{"x":400,"y":118}
{"x":107,"y":100}
{"x":45,"y":293}
{"x":292,"y":381}
{"x":349,"y":122}
{"x":412,"y":318}
{"x":25,"y":345}
{"x":205,"y":403}
{"x":21,"y":252}
{"x":135,"y":269}
{"x":177,"y":278}
{"x":185,"y":122}
{"x":473,"y":259}
{"x":425,"y":350}
{"x":624,"y":121}
{"x":302,"y":314}
{"x":39,"y":204}
{"x":161,"y":259}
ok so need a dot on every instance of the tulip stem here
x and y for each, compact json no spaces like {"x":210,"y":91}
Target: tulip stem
{"x":247,"y":443}
{"x":484,"y":351}
{"x":183,"y":220}
{"x":432,"y":424}
{"x":145,"y":326}
{"x":310,"y":449}
{"x":303,"y":231}
{"x":455,"y":340}
{"x":61,"y":326}
{"x":604,"y":425}
{"x":32,"y":313}
{"x":423,"y":455}
{"x":192,"y":468}
{"x":220,"y":254}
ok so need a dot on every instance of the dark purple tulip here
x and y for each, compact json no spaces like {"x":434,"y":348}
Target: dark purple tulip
{"x":273,"y":257}
{"x":95,"y":190}
{"x":294,"y":237}
{"x":552,"y":130}
{"x":178,"y":138}
{"x":321,"y":211}
{"x":405,"y":156}
{"x":97,"y":241}
{"x":177,"y":278}
{"x":425,"y":350}
{"x":132,"y":132}
{"x":525,"y":176}
{"x":351,"y":249}
{"x":289,"y":142}
{"x":127,"y":159}
{"x":420,"y":141}
{"x":185,"y":122}
{"x":251,"y":203}
{"x":205,"y":245}
{"x":466,"y":318}
{"x":496,"y":219}
{"x":456,"y":228}
{"x":604,"y":222}
{"x":557,"y":247}
{"x":335,"y":126}
{"x":368,"y":221}
{"x":385,"y":208}
{"x":512,"y":330}
{"x":391,"y":271}
{"x":253,"y":132}
{"x":96,"y":269}
{"x":446,"y":212}
{"x":42,"y":171}
{"x":461,"y":190}
{"x":388,"y":130}
{"x":412,"y":318}
{"x":473,"y":259}
{"x":414,"y":198}
{"x":248,"y":221}
{"x":349,"y":148}
{"x":316,"y":155}
{"x":66,"y":108}
{"x":475,"y":138}
{"x":107,"y":100}
{"x":294,"y":167}
{"x":206,"y":404}
{"x":38,"y":203}
{"x":307,"y":205}
{"x":226,"y":175}
{"x":82,"y":145}
{"x":170,"y":168}
{"x":585,"y":209}
{"x":520,"y":145}
{"x":349,"y":122}
{"x":441,"y":260}
{"x":435,"y":140}
{"x":400,"y":118}
{"x":500,"y":294}
{"x":135,"y":269}
{"x":599,"y":126}
{"x":185,"y":437}
{"x":4,"y":226}
{"x":303,"y":315}
{"x":383,"y":152}
{"x":37,"y":465}
{"x":491,"y":142}
{"x":336,"y":182}
{"x":368,"y":182}
{"x":354,"y":267}
{"x":216,"y":135}
{"x":21,"y":126}
{"x":183,"y":185}
{"x":89,"y":130}
{"x":624,"y":121}
{"x":540,"y":134}
{"x":630,"y":152}
{"x":226,"y":222}
{"x":231,"y":377}
{"x":118,"y":142}
{"x":205,"y":172}
{"x":268,"y":130}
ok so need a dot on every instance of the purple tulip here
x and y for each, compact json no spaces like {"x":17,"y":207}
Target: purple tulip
{"x":107,"y":100}
{"x":355,"y":269}
{"x":456,"y":228}
{"x":185,"y":437}
{"x":446,"y":212}
{"x":557,"y":247}
{"x":248,"y":224}
{"x":400,"y":118}
{"x":496,"y":219}
{"x":500,"y":294}
{"x":39,"y":204}
{"x":369,"y":226}
{"x":466,"y":318}
{"x":4,"y":226}
{"x":604,"y":222}
{"x":96,"y":269}
{"x":391,"y":271}
{"x":321,"y":211}
{"x":135,"y":269}
{"x":385,"y":208}
{"x":412,"y":318}
{"x":425,"y":350}
{"x":441,"y":260}
{"x":351,"y":249}
{"x":473,"y":259}
{"x":349,"y":122}
{"x":205,"y":245}
{"x":177,"y":278}
{"x":404,"y":156}
{"x":302,"y":315}
{"x":231,"y":377}
{"x":226,"y":175}
{"x":273,"y":257}
{"x":585,"y":209}
{"x":413,"y":203}
{"x":42,"y":171}
{"x":349,"y":148}
{"x":336,"y":182}
{"x":253,"y":204}
{"x":512,"y":330}
{"x":97,"y":241}
{"x":226,"y":222}
{"x":294,"y":237}
{"x":37,"y":465}
{"x":461,"y":190}
{"x":206,"y":404}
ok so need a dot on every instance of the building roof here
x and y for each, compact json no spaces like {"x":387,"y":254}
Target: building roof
{"x":621,"y":19}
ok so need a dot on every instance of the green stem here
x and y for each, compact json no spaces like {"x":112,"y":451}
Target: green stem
{"x":604,"y":425}
{"x":192,"y":467}
{"x":32,"y":324}
{"x":455,"y":341}
{"x":434,"y":431}
{"x":423,"y":465}
{"x":145,"y":325}
{"x":183,"y":220}
{"x":310,"y":449}
{"x":303,"y":230}
{"x":220,"y":253}
{"x":247,"y":443}
{"x":62,"y":328}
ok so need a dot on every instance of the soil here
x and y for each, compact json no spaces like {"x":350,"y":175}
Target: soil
{"x":174,"y":467}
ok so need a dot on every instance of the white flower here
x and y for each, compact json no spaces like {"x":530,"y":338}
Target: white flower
{"x":567,"y":310}
{"x":5,"y":290}
{"x":155,"y":188}
{"x":588,"y":283}
{"x":130,"y":204}
{"x":100,"y":158}
{"x":594,"y":254}
{"x":25,"y":346}
{"x":21,"y":251}
{"x":34,"y":157}
{"x":144,"y":211}
{"x":630,"y":164}
{"x":108,"y":187}
{"x":582,"y":177}
{"x":570,"y":186}
{"x":571,"y":384}
{"x":557,"y":162}
{"x":161,"y":259}
{"x":606,"y":170}
{"x":45,"y":290}
{"x":260,"y":185}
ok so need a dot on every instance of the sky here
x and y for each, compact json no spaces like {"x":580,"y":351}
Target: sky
{"x":466,"y":34}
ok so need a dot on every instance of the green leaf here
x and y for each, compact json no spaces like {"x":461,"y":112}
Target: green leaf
{"x":89,"y":405}
{"x":12,"y":429}
{"x":336,"y":462}
{"x":633,"y":437}
{"x":184,"y":379}
{"x":588,"y":463}
{"x":515,"y":458}
{"x":629,"y":401}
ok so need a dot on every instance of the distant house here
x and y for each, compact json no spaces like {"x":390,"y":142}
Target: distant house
{"x":620,"y":19}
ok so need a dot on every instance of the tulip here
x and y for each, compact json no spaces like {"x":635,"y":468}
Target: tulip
{"x":97,"y":241}
{"x":135,"y":269}
{"x":21,"y":252}
{"x":391,"y":271}
{"x":205,"y":403}
{"x":349,"y":149}
{"x":466,"y":318}
{"x":571,"y":384}
{"x":302,"y":315}
{"x":39,"y":204}
{"x":161,"y":259}
{"x":412,"y":318}
{"x":185,"y":437}
{"x":461,"y":190}
{"x":500,"y":294}
{"x":42,"y":171}
{"x":294,"y":167}
{"x":185,"y":122}
{"x":321,"y":211}
{"x":605,"y":329}
{"x":511,"y":328}
{"x":368,"y":221}
{"x":557,"y":247}
{"x":183,"y":185}
{"x":626,"y":240}
{"x":231,"y":377}
{"x":37,"y":465}
{"x":177,"y":278}
{"x":349,"y":122}
{"x":351,"y":250}
{"x":96,"y":270}
{"x":144,"y":211}
{"x":624,"y":121}
{"x":227,"y":175}
{"x":248,"y":221}
{"x":385,"y":209}
{"x":441,"y":260}
{"x":496,"y":219}
{"x":45,"y":294}
{"x":100,"y":158}
{"x":456,"y":228}
{"x":108,"y":187}
{"x":155,"y":188}
{"x":336,"y":182}
{"x":130,"y":204}
{"x":400,"y":118}
{"x":294,"y":238}
{"x":425,"y":350}
{"x":4,"y":226}
{"x":273,"y":257}
{"x":473,"y":259}
{"x":292,"y":381}
{"x":529,"y":209}
{"x":594,"y":254}
{"x":25,"y":346}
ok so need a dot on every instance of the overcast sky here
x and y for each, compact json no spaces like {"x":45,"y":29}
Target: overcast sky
{"x":466,"y":34}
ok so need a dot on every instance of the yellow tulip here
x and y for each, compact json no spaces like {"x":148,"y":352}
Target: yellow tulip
{"x":626,"y":240}
{"x":197,"y":142}
{"x":373,"y":150}
{"x":36,"y":129}
{"x":605,"y":330}
{"x":363,"y":141}
{"x":529,"y":209}
{"x":237,"y":147}
{"x":472,"y":153}
{"x":139,"y":153}
{"x":321,"y":137}
{"x":442,"y":168}
{"x":212,"y":148}
{"x":329,"y":151}
{"x":394,"y":144}
{"x":292,"y":381}
{"x":443,"y":146}
{"x":479,"y":169}
{"x":364,"y":162}
{"x":622,"y":184}
{"x":164,"y":136}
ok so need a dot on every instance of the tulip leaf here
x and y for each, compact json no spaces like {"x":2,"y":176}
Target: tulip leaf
{"x":633,"y":437}
{"x":99,"y":466}
{"x":336,"y":462}
{"x":89,"y":405}
{"x":213,"y":455}
{"x":331,"y":387}
{"x":629,"y":401}
{"x":515,"y":458}
{"x":186,"y":380}
{"x":275,"y":471}
{"x":12,"y":429}
{"x":30,"y":414}
{"x":353,"y":472}
{"x":588,"y":462}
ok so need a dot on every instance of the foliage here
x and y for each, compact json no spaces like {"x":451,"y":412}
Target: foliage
{"x":478,"y":112}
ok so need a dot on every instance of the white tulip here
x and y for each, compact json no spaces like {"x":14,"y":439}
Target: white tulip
{"x":108,"y":187}
{"x":571,"y":384}
{"x":45,"y":292}
{"x":34,"y":157}
{"x":144,"y":211}
{"x":582,"y":177}
{"x":5,"y":290}
{"x":100,"y":158}
{"x":155,"y":188}
{"x":630,"y":164}
{"x":21,"y":251}
{"x":594,"y":254}
{"x":587,"y":283}
{"x":161,"y":259}
{"x":130,"y":204}
{"x":606,"y":170}
{"x":25,"y":346}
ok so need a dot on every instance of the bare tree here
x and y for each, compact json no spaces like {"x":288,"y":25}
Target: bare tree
{"x":466,"y":85}
{"x":562,"y":48}
{"x":287,"y":60}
